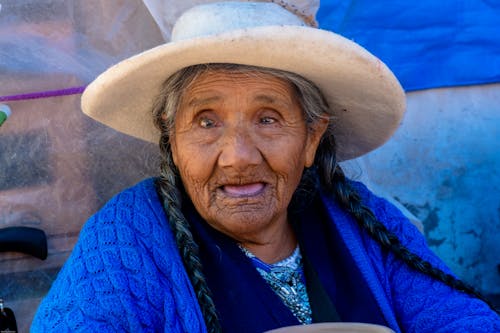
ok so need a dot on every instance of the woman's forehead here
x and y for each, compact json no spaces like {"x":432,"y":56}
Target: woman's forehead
{"x":212,"y":85}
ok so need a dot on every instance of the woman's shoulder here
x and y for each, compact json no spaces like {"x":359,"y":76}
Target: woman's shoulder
{"x":399,"y":225}
{"x":133,"y":219}
{"x":388,"y":210}
{"x":125,"y":252}
{"x":140,"y":198}
{"x":380,"y":206}
{"x":137,"y":208}
{"x":130,"y":225}
{"x":392,"y":217}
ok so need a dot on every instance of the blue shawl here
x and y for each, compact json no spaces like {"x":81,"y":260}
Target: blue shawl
{"x":125,"y":274}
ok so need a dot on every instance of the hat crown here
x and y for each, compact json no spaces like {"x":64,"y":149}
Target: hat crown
{"x":216,"y":18}
{"x":167,"y":12}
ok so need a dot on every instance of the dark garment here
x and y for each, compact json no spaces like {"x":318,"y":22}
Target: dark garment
{"x":246,"y":303}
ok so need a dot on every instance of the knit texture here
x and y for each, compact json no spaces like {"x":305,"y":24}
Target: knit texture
{"x":125,"y":275}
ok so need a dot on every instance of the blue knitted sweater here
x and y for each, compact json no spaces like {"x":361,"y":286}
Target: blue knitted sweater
{"x":125,"y":275}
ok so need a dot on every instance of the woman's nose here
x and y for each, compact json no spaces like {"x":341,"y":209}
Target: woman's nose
{"x":239,"y":150}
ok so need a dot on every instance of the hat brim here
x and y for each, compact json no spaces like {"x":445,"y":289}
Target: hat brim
{"x":366,"y":98}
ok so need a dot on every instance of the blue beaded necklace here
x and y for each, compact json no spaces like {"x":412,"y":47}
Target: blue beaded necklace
{"x":286,"y":278}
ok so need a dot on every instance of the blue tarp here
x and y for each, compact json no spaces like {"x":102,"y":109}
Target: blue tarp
{"x":427,"y":43}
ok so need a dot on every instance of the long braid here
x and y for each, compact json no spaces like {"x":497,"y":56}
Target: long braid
{"x":189,"y":250}
{"x":169,"y":185}
{"x":348,"y":197}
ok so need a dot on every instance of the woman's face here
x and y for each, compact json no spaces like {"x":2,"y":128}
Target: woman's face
{"x":240,"y":143}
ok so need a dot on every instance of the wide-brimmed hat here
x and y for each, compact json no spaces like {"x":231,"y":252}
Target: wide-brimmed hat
{"x":366,"y":99}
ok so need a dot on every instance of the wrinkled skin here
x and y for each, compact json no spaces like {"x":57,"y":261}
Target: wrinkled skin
{"x":241,"y":143}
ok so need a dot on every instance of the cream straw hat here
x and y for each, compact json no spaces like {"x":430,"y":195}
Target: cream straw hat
{"x":366,"y":98}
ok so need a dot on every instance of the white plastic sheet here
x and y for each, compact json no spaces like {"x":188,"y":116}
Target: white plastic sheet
{"x":58,"y":166}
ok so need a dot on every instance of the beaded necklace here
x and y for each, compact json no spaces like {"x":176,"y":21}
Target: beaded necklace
{"x":286,"y":278}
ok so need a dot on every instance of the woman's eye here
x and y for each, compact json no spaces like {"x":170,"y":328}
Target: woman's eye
{"x":267,"y":120}
{"x":206,"y":122}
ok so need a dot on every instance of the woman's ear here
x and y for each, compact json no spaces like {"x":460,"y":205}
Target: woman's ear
{"x":314,"y":135}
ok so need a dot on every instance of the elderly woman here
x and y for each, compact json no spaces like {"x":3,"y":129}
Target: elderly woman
{"x":251,"y":225}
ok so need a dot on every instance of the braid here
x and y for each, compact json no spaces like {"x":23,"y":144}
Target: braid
{"x":188,"y":248}
{"x":169,"y":186}
{"x":348,"y":197}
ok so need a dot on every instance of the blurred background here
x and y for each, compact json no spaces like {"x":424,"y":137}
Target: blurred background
{"x":58,"y":166}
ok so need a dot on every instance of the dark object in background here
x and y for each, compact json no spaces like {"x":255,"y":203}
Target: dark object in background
{"x":7,"y":319}
{"x":27,"y":240}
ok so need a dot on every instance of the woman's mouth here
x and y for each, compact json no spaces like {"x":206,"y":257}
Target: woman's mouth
{"x":244,"y":190}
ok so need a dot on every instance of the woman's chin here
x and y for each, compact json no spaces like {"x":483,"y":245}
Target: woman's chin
{"x":243,"y":223}
{"x":239,"y":211}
